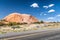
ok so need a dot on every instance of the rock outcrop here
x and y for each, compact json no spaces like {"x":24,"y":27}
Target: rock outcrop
{"x":20,"y":18}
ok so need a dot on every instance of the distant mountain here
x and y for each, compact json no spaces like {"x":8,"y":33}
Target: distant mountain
{"x":20,"y":18}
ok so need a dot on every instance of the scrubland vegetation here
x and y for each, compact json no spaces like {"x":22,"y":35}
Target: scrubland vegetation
{"x":20,"y":27}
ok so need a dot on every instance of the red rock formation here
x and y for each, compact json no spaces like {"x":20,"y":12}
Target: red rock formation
{"x":20,"y":18}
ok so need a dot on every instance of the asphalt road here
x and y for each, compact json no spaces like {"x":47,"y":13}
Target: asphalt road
{"x":42,"y":35}
{"x":38,"y":37}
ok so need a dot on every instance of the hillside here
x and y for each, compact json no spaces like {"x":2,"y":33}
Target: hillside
{"x":20,"y":18}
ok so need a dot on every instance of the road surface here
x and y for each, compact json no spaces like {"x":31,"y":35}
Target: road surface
{"x":37,"y":35}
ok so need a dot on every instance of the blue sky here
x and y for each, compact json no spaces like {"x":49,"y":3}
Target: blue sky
{"x":47,"y":10}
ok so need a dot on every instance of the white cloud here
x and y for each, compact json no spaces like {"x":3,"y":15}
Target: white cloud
{"x":51,"y":5}
{"x":45,"y":14}
{"x":58,"y":15}
{"x":34,"y":5}
{"x":51,"y":18}
{"x":52,"y":10}
{"x":45,"y":7}
{"x":42,"y":13}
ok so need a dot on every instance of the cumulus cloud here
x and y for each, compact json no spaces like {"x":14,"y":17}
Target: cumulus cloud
{"x":34,"y":5}
{"x":51,"y":5}
{"x":52,"y":10}
{"x":42,"y":13}
{"x":45,"y":7}
{"x":51,"y":18}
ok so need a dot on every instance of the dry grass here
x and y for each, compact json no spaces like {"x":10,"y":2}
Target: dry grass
{"x":29,"y":27}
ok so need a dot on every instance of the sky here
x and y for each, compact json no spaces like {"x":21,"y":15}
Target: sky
{"x":46,"y":10}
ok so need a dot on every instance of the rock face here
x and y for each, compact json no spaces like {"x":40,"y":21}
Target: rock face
{"x":20,"y":18}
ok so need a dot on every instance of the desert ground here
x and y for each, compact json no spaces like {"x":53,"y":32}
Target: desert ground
{"x":28,"y":27}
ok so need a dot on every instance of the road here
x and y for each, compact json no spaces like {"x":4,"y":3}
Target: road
{"x":37,"y":35}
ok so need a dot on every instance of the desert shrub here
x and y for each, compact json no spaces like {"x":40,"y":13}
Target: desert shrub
{"x":12,"y":23}
{"x":2,"y":24}
{"x":18,"y":27}
{"x":42,"y":21}
{"x":18,"y":23}
{"x":2,"y":20}
{"x":54,"y":22}
{"x":9,"y":24}
{"x":15,"y":27}
{"x":36,"y":23}
{"x":23,"y":23}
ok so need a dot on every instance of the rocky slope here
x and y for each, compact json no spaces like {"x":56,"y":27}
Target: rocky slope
{"x":20,"y":18}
